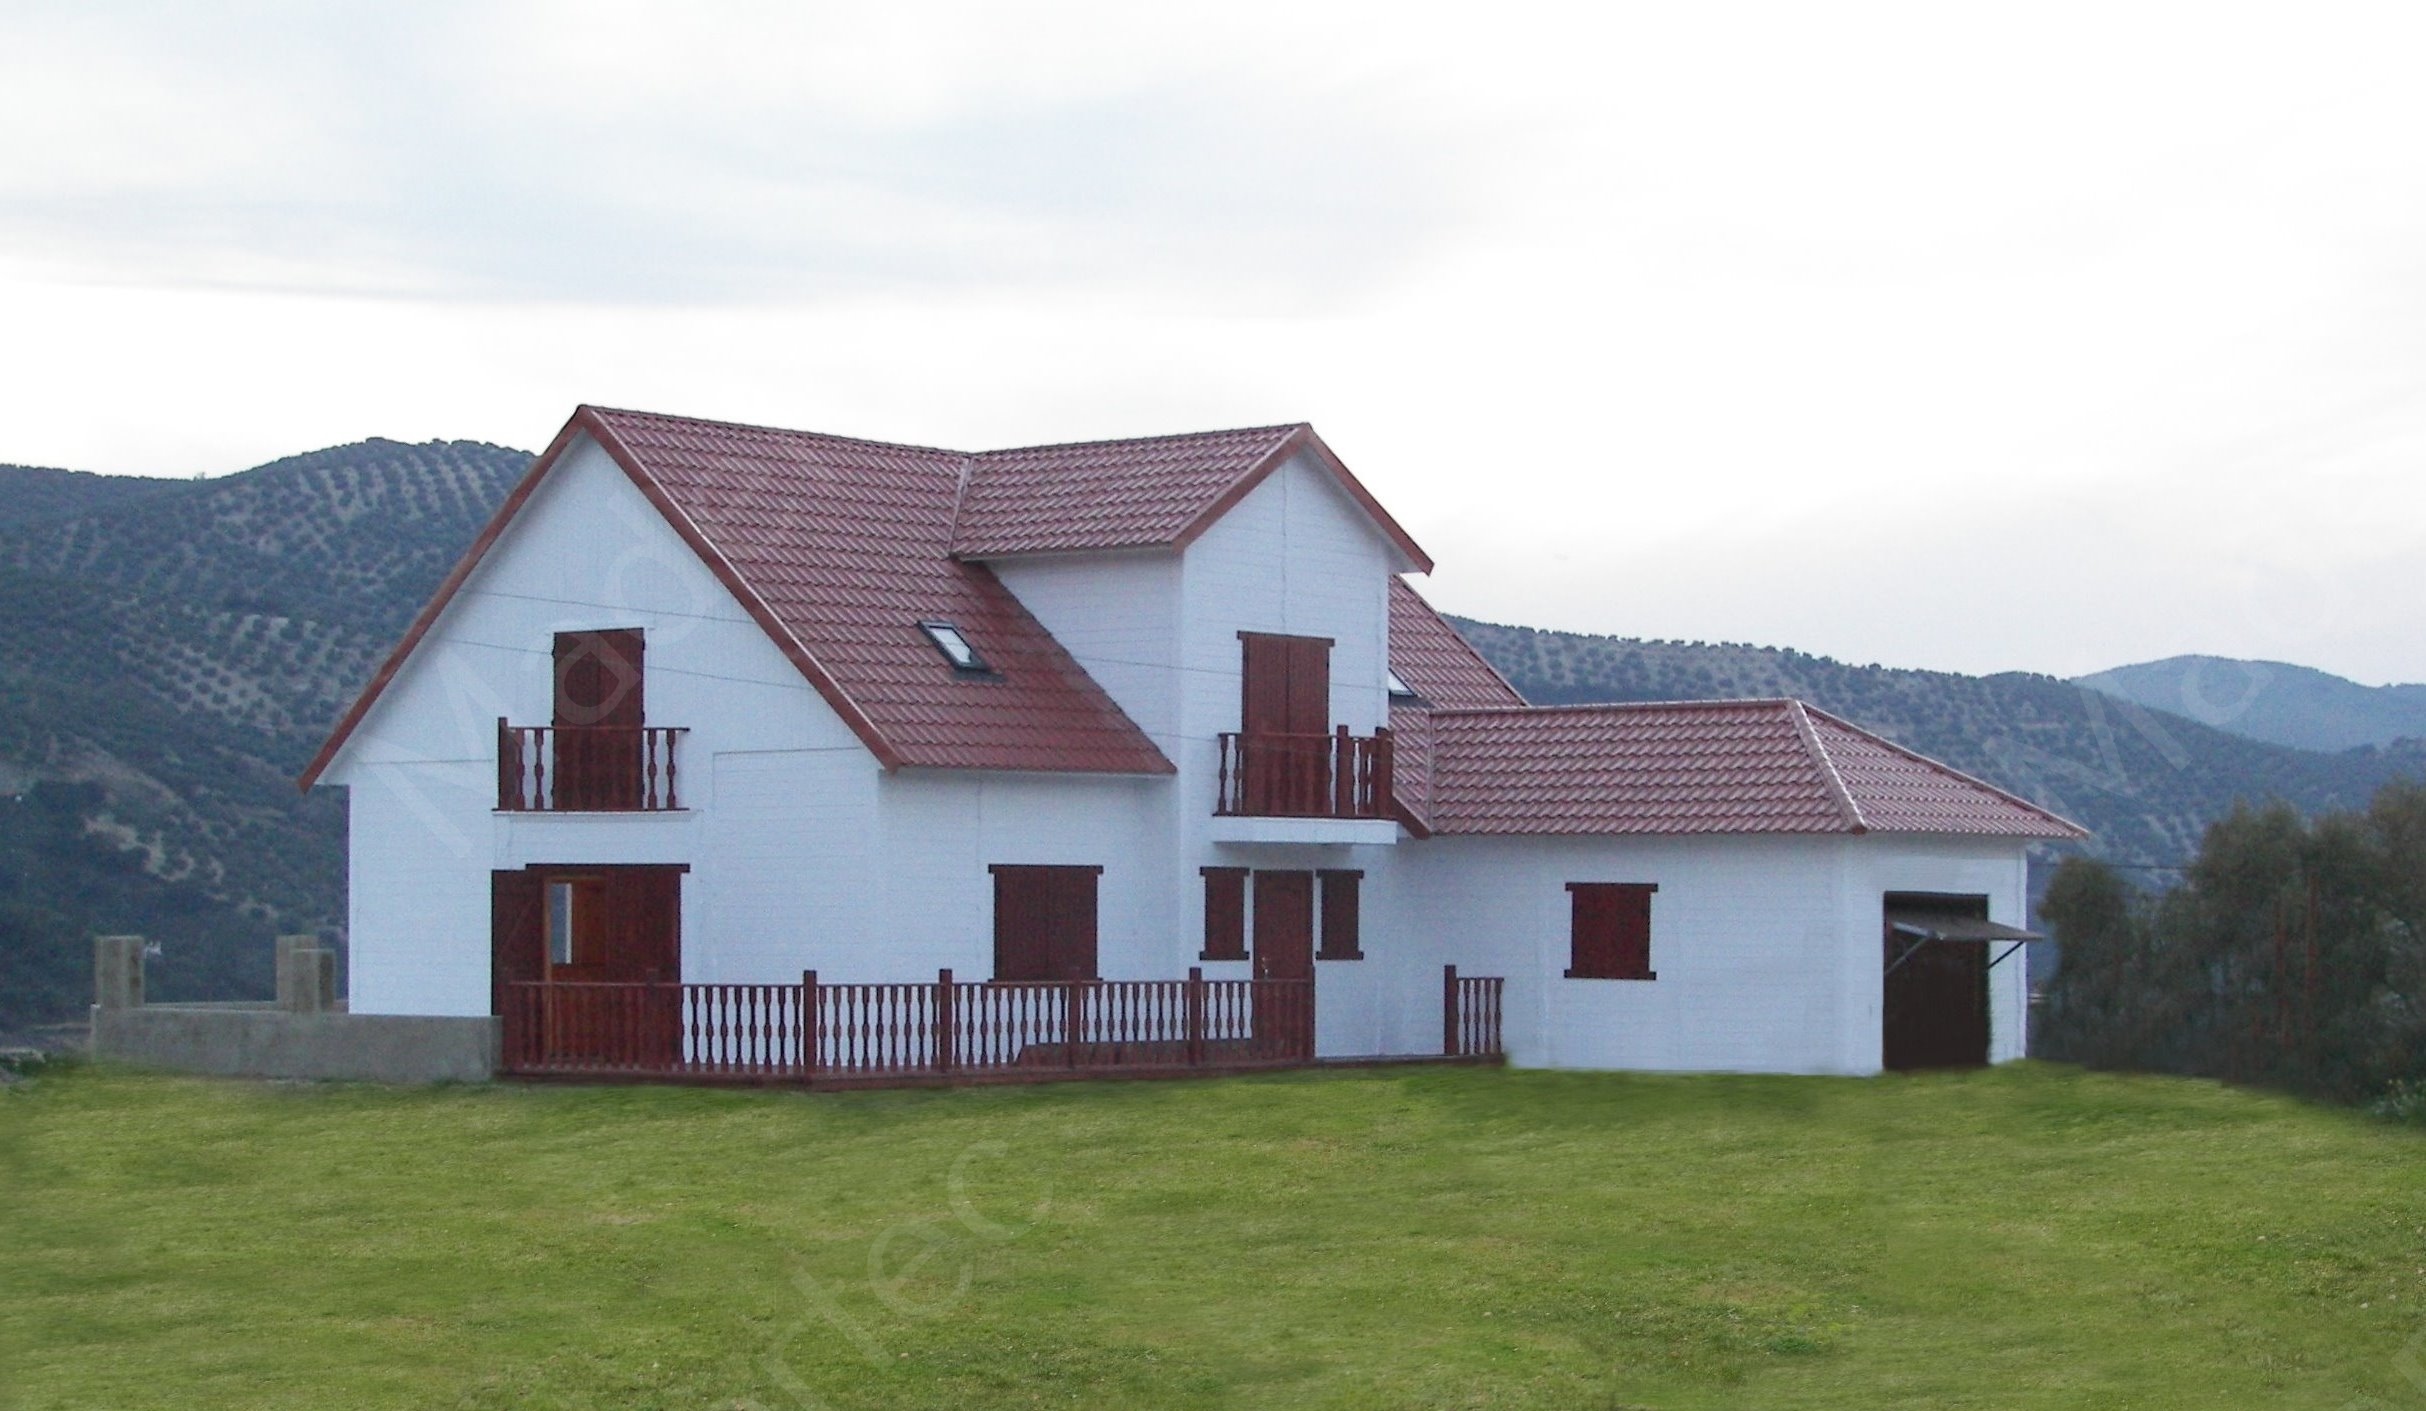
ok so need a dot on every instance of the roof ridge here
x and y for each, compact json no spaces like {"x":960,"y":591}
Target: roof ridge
{"x":960,"y":502}
{"x":1284,"y":427}
{"x":1948,"y":770}
{"x":1845,"y":802}
{"x":772,"y":430}
{"x":1530,"y":708}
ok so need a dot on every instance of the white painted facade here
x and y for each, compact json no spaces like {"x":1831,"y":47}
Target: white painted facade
{"x":803,"y":852}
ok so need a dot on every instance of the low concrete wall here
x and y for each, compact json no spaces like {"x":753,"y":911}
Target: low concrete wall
{"x":267,"y":1042}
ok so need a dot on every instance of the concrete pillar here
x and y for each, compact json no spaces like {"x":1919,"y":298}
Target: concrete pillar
{"x":118,"y":972}
{"x":307,"y":976}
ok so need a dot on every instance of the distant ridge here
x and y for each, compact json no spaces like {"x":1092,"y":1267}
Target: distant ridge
{"x":2273,"y":701}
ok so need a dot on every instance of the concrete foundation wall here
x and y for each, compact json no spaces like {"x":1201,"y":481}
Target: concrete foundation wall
{"x":260,"y":1041}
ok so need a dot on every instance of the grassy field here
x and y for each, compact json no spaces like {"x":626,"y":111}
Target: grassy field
{"x":2028,"y":1237}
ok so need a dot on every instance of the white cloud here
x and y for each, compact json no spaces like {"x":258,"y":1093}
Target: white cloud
{"x":1682,"y":320}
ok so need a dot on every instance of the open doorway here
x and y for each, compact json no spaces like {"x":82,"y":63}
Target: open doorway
{"x":1935,"y":1007}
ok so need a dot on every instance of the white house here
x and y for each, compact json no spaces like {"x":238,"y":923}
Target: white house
{"x":706,"y":707}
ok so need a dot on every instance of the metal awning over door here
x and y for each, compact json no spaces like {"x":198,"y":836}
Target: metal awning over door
{"x":1924,"y":927}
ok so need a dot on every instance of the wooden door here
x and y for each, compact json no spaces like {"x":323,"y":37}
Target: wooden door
{"x":1285,"y":717}
{"x":1284,"y":953}
{"x":605,"y":943}
{"x":599,"y":713}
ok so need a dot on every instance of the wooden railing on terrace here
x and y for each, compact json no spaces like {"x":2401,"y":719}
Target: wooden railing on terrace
{"x":985,"y":1031}
{"x":586,"y":768}
{"x":1305,"y":776}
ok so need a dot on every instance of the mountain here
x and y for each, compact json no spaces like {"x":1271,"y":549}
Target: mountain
{"x":171,"y":653}
{"x":2147,"y":783}
{"x":2273,"y":701}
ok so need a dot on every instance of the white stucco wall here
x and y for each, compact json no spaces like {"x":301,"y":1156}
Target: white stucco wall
{"x":587,"y":552}
{"x":1767,"y":949}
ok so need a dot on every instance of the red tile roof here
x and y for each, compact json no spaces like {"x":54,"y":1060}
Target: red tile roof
{"x":1443,"y":669}
{"x":1436,"y":662}
{"x":838,"y":548}
{"x":1156,"y":492}
{"x":1700,"y":767}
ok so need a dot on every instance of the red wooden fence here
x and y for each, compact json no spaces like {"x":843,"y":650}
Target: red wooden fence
{"x":980,"y":1030}
{"x":1469,"y":1018}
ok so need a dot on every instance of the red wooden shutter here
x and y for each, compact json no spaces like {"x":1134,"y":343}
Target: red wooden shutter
{"x":1309,"y":704}
{"x":599,"y":678}
{"x":1610,"y":937}
{"x":1021,"y":926}
{"x":517,"y":939}
{"x":1632,"y":943}
{"x":1225,"y":913}
{"x":1340,"y":905}
{"x":1044,"y":922}
{"x":1073,"y":939}
{"x":1264,"y":684}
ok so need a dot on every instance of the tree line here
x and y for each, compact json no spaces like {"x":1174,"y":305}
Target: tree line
{"x":2292,"y":954}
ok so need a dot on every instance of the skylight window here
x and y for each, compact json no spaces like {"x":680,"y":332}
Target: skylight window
{"x":1399,"y":689}
{"x":955,"y":648}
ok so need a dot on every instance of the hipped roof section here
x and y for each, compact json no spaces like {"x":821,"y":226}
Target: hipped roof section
{"x":1697,"y":767}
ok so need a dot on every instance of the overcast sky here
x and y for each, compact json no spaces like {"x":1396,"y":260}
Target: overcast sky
{"x":2047,"y":340}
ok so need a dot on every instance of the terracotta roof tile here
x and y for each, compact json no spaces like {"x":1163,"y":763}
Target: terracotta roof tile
{"x":1443,"y":669}
{"x":1699,"y":767}
{"x":1437,"y":663}
{"x":845,"y":543}
{"x":1104,"y":494}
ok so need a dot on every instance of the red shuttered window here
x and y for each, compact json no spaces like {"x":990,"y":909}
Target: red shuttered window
{"x":1225,"y":913}
{"x":1611,"y":931}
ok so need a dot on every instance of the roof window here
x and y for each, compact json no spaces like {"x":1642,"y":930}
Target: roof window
{"x":955,"y":647}
{"x":1399,"y":690}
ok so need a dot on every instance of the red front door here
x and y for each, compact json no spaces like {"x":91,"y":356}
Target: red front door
{"x":586,"y":965}
{"x":1284,"y":964}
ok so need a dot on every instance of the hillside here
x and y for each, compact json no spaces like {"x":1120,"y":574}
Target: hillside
{"x":2272,"y":701}
{"x":170,"y":655}
{"x":2147,"y":783}
{"x":34,"y":494}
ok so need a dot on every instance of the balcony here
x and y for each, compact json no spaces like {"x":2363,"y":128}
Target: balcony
{"x":587,"y":768}
{"x":1338,"y":777}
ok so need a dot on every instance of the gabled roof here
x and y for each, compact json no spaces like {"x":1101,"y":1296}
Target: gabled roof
{"x":839,"y":548}
{"x":1774,"y":766}
{"x":1156,"y":492}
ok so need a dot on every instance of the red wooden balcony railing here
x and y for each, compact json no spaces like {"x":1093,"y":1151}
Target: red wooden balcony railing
{"x":1305,"y":776}
{"x":586,"y":768}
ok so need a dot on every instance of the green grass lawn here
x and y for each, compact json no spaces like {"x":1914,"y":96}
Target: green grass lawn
{"x":1427,"y":1237}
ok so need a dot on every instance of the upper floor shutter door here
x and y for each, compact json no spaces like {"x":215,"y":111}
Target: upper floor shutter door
{"x":599,"y":678}
{"x":1287,"y":684}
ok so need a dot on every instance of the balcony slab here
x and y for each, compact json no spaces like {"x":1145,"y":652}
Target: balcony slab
{"x":1242,"y":828}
